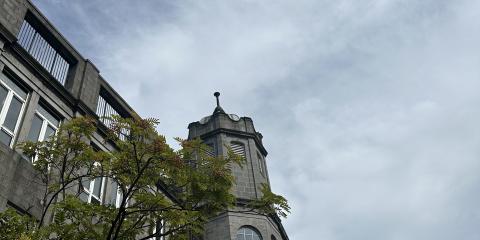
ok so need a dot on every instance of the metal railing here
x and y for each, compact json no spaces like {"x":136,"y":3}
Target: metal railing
{"x":104,"y":111}
{"x":39,"y":48}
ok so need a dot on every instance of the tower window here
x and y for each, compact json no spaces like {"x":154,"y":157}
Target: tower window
{"x":238,"y":148}
{"x":248,"y":233}
{"x":260,"y":163}
{"x":210,"y":150}
{"x":12,"y":102}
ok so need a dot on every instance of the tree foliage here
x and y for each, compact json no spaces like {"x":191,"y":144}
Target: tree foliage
{"x":159,"y":187}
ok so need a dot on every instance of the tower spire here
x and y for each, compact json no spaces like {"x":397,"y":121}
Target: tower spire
{"x":217,"y":95}
{"x":218,"y":109}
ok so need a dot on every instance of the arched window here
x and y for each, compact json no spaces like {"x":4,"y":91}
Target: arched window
{"x":248,"y":233}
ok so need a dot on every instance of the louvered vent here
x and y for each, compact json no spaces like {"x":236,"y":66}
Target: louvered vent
{"x":238,"y":148}
{"x":210,"y":150}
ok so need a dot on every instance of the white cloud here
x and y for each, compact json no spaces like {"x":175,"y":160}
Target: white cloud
{"x":368,"y":109}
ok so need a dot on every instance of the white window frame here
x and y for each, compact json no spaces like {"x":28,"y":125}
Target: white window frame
{"x":89,"y":190}
{"x":118,"y":200}
{"x":43,"y":129}
{"x":45,"y":124}
{"x":118,"y":194}
{"x":243,"y":232}
{"x":6,"y":105}
{"x":162,"y":231}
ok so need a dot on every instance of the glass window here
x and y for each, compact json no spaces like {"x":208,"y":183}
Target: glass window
{"x":44,"y":125}
{"x":12,"y":102}
{"x":116,"y":194}
{"x":35,"y":128}
{"x":13,"y":113}
{"x":3,"y":94}
{"x":5,"y":137}
{"x":92,"y":190}
{"x":248,"y":233}
{"x":113,"y":193}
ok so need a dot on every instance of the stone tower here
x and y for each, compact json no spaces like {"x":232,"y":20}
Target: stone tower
{"x":220,"y":130}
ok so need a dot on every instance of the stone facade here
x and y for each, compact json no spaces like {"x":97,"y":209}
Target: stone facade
{"x":79,"y":95}
{"x":219,"y":131}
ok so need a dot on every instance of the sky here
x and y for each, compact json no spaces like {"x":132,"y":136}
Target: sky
{"x":369,"y":109}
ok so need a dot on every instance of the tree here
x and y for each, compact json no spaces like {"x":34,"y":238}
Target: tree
{"x":158,"y":186}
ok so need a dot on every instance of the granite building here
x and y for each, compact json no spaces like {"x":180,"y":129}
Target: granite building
{"x":45,"y":81}
{"x":220,"y":131}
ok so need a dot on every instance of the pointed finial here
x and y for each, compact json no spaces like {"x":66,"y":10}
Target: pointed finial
{"x":217,"y":94}
{"x":218,"y":109}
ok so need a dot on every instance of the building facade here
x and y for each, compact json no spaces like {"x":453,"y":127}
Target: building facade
{"x":44,"y":81}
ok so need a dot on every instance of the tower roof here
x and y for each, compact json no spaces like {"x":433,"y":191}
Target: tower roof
{"x":222,"y":122}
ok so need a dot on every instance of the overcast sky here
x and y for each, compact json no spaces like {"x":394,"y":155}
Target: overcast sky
{"x":370,"y":110}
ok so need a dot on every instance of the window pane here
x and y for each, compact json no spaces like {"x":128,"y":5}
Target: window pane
{"x":97,"y":187}
{"x":12,"y":114}
{"x":49,"y":132}
{"x":113,"y":193}
{"x":86,"y":183}
{"x":18,"y":90}
{"x":35,"y":128}
{"x":5,"y":137}
{"x":3,"y":95}
{"x":247,"y":233}
{"x":84,"y":197}
{"x":54,"y":120}
{"x":93,"y":200}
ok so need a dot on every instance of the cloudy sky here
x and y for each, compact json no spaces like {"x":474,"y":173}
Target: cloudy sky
{"x":369,"y":109}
